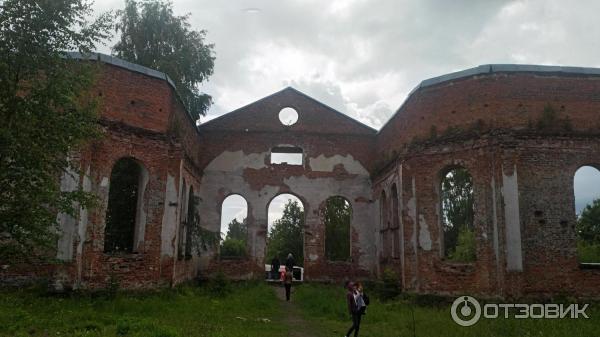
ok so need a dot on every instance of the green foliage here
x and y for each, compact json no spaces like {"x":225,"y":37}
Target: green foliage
{"x":465,"y":247}
{"x":45,"y":115}
{"x":337,"y":215}
{"x":391,"y":285}
{"x":233,"y":248}
{"x":219,"y":285}
{"x":588,"y":252}
{"x":588,"y":223}
{"x":457,"y":207}
{"x":113,"y":286}
{"x":151,"y":35}
{"x":234,"y":244}
{"x":324,"y":307}
{"x":200,"y":239}
{"x":286,"y":235}
{"x":186,"y":311}
{"x":551,"y":121}
{"x":588,"y":233}
{"x":237,"y":230}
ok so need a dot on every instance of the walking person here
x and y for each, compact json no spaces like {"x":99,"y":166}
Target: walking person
{"x":362,"y":300}
{"x":353,"y":299}
{"x":289,"y":262}
{"x":287,"y":282}
{"x":275,"y":268}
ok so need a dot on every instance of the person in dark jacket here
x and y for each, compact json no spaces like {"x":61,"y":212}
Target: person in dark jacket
{"x":287,"y":283}
{"x":353,"y":309}
{"x":289,"y":262}
{"x":275,"y":268}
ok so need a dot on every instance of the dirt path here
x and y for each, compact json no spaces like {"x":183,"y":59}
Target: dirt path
{"x":292,"y":317}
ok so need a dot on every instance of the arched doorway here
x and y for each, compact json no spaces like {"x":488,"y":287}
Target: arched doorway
{"x":285,"y":233}
{"x":234,"y":230}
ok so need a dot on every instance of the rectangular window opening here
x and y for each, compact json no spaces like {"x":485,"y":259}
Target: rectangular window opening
{"x":287,"y":155}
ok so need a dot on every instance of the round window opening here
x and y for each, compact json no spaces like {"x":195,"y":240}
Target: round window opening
{"x":288,"y":116}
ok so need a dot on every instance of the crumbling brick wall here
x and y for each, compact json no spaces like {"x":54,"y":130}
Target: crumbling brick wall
{"x":520,"y":131}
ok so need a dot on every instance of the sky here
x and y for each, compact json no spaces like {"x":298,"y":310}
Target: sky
{"x":364,"y":57}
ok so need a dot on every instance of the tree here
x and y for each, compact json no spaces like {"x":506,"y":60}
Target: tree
{"x":45,"y":117}
{"x":234,"y":244}
{"x":337,"y":215}
{"x":588,"y":223}
{"x":457,"y":215}
{"x":286,"y":235}
{"x":152,"y":36}
{"x":588,"y":233}
{"x":237,"y":230}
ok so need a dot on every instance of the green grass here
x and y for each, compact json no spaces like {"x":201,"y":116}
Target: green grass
{"x":325,"y":307}
{"x":185,"y":311}
{"x":199,"y":311}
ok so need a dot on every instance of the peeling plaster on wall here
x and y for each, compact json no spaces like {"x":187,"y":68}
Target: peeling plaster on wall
{"x":224,"y":175}
{"x":67,"y":224}
{"x":238,"y":160}
{"x":424,"y":235}
{"x":83,"y":222}
{"x":140,"y":217}
{"x":104,"y":182}
{"x":316,"y":191}
{"x":495,"y":222}
{"x":327,"y":164}
{"x":401,"y":218}
{"x":412,"y":213}
{"x":215,"y":184}
{"x":169,"y":220}
{"x":510,"y":193}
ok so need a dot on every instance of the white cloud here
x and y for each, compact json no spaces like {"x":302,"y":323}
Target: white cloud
{"x":363,"y":57}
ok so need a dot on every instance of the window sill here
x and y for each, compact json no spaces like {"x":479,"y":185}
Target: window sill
{"x":589,"y":266}
{"x":457,"y":267}
{"x":124,"y":256}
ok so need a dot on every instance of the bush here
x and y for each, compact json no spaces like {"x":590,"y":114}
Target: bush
{"x":588,"y":252}
{"x":465,"y":247}
{"x":233,"y":248}
{"x":219,"y":285}
{"x":390,"y":288}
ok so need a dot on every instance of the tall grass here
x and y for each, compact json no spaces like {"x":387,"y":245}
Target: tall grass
{"x":325,"y":307}
{"x":185,"y":311}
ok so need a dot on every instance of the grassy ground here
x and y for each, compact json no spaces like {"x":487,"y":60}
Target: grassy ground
{"x":187,"y":311}
{"x":252,"y":309}
{"x":325,"y":307}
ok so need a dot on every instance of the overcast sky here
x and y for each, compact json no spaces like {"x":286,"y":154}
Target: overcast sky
{"x":363,"y":57}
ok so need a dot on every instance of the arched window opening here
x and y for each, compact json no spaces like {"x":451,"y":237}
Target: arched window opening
{"x":395,"y":223}
{"x":285,"y":230}
{"x":124,"y":191}
{"x":337,"y":215}
{"x":586,"y":185}
{"x":234,"y":230}
{"x":457,"y":215}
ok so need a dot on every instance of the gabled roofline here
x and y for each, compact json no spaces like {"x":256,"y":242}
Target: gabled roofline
{"x":494,"y":68}
{"x":229,"y":114}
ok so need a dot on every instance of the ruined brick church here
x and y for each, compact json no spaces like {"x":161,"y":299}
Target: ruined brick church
{"x":491,"y":120}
